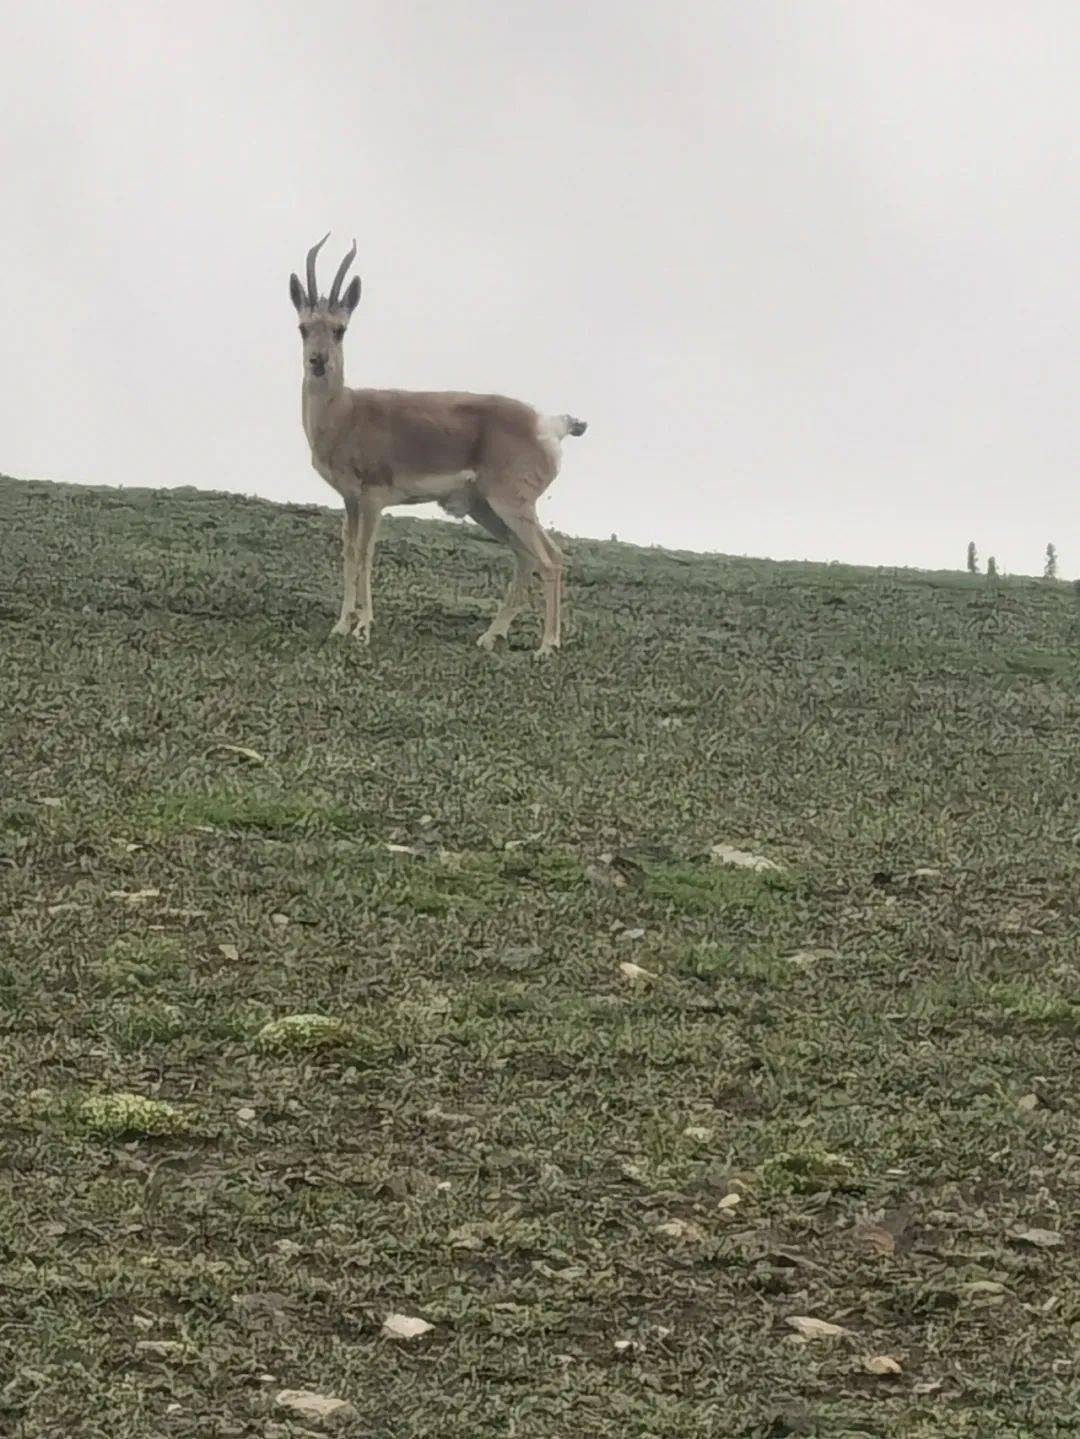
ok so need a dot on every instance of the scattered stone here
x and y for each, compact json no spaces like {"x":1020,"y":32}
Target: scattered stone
{"x":242,"y":751}
{"x":1038,"y":1238}
{"x":635,"y":971}
{"x":680,"y":1229}
{"x":985,"y":1291}
{"x":804,"y":958}
{"x":881,"y":1364}
{"x":741,"y":858}
{"x":521,"y":957}
{"x":321,"y":1409}
{"x":161,"y":1348}
{"x":815,"y":1328}
{"x":405,"y":1326}
{"x":876,"y":1238}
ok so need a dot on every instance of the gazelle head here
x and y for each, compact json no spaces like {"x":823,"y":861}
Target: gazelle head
{"x":323,"y":322}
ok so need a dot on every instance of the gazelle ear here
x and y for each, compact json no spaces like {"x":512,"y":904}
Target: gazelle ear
{"x":351,"y":298}
{"x":296,"y":293}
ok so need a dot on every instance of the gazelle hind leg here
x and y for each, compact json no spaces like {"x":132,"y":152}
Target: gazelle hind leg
{"x":515,"y":600}
{"x":547,"y":557}
{"x":558,"y":559}
{"x":517,"y":592}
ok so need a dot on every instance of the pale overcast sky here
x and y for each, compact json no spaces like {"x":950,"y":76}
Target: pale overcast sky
{"x":808,"y":267}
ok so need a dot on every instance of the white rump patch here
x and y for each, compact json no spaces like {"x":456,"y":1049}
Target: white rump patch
{"x":551,"y":430}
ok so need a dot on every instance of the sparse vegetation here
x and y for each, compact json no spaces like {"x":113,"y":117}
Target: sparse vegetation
{"x":125,"y":1115}
{"x":299,"y":1033}
{"x":383,"y":1021}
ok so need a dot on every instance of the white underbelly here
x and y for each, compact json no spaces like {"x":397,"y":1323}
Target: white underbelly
{"x":419,"y":489}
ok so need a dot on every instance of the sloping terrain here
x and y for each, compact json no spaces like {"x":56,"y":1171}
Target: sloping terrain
{"x":843,"y":1091}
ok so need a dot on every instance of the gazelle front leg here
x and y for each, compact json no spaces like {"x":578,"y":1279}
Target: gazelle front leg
{"x":370,"y":512}
{"x":349,"y":533}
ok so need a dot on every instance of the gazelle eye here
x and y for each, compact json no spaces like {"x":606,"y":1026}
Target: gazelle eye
{"x":339,"y":333}
{"x":303,"y":332}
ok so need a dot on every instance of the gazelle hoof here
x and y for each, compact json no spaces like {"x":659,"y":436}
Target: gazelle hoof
{"x":488,"y":641}
{"x":544,"y":652}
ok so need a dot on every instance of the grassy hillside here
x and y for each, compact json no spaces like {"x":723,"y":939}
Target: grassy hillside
{"x":844,"y":1091}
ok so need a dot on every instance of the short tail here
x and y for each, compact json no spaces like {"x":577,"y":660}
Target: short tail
{"x":567,"y":425}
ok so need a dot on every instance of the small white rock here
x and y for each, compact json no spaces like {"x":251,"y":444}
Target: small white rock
{"x":160,"y":1348}
{"x":881,"y":1364}
{"x":680,"y":1229}
{"x":741,"y":858}
{"x":247,"y":1115}
{"x":318,"y":1408}
{"x":405,"y":1326}
{"x":804,"y":958}
{"x":810,"y":1328}
{"x":635,"y":971}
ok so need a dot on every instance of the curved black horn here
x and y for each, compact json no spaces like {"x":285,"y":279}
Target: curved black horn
{"x":336,"y":286}
{"x":312,"y":283}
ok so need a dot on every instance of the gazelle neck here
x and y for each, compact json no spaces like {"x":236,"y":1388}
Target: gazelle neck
{"x":315,"y":395}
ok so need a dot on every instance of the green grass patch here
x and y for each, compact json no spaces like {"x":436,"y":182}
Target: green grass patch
{"x":119,"y":1114}
{"x":1030,"y":1005}
{"x":304,"y":1034}
{"x":226,"y":810}
{"x":137,"y":961}
{"x":704,"y":888}
{"x":806,"y":1171}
